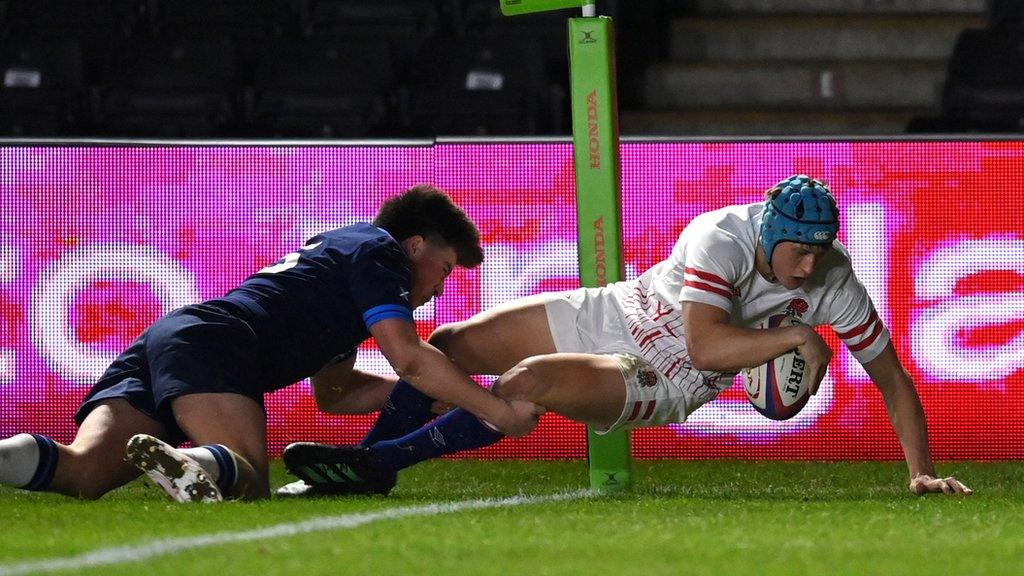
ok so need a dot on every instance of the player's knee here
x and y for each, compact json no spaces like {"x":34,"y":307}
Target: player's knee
{"x":449,"y":338}
{"x":524,"y":381}
{"x":332,"y":399}
{"x":441,"y":337}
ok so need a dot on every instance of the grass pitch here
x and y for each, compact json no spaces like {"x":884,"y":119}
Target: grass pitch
{"x":690,"y":518}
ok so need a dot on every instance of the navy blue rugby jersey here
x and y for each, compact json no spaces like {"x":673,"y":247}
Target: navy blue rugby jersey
{"x":320,"y":301}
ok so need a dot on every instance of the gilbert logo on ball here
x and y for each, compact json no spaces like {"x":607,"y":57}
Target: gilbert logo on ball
{"x":779,"y":389}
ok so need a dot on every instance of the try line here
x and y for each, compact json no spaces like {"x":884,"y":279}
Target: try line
{"x":153,"y":548}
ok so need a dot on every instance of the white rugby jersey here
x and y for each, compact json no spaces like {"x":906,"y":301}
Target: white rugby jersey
{"x":713,"y":263}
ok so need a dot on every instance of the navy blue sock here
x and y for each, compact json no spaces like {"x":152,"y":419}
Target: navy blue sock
{"x":226,"y":463}
{"x":456,"y":431}
{"x":48,"y":455}
{"x":405,"y":410}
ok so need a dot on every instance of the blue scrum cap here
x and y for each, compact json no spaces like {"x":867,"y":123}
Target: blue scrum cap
{"x":803,"y":211}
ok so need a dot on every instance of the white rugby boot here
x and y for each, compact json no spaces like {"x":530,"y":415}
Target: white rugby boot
{"x":181,"y":477}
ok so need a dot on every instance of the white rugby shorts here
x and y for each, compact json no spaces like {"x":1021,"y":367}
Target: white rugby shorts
{"x":588,"y":321}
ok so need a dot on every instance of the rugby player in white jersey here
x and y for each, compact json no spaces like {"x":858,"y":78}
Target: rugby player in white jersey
{"x":648,"y":351}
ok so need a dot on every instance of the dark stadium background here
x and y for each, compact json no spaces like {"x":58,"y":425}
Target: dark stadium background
{"x":423,"y":68}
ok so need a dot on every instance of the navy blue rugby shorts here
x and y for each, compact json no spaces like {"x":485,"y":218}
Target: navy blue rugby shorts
{"x":196,"y":349}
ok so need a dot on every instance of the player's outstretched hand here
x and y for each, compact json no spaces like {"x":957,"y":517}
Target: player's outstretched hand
{"x":924,"y":484}
{"x":816,"y":354}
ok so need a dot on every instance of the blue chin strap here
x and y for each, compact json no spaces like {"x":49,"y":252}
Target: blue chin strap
{"x":804,"y":211}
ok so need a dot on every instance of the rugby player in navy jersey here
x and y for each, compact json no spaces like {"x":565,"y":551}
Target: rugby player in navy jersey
{"x":200,"y":373}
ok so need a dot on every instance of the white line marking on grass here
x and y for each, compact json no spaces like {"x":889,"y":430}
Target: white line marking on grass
{"x":147,"y":550}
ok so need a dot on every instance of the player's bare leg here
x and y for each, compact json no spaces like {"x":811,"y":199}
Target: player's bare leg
{"x":588,"y":388}
{"x":494,"y":341}
{"x":94,"y":463}
{"x":237,"y":423}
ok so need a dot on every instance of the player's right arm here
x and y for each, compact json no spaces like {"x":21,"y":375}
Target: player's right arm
{"x":717,"y":254}
{"x":717,"y":345}
{"x":428,"y":370}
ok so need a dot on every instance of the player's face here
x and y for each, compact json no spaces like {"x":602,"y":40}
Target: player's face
{"x":793,"y":263}
{"x":432,"y":263}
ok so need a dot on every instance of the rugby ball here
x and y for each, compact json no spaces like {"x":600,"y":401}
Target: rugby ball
{"x":779,"y":389}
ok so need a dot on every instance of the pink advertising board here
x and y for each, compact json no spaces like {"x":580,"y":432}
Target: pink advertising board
{"x":98,"y":241}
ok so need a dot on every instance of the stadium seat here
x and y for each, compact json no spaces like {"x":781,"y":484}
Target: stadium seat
{"x":95,"y":24}
{"x":70,"y":18}
{"x":240,"y":19}
{"x":483,"y":19}
{"x":984,"y":88}
{"x":321,"y":87}
{"x":1007,"y":14}
{"x":42,"y":93}
{"x":473,"y":87}
{"x":170,"y":88}
{"x":405,"y":24}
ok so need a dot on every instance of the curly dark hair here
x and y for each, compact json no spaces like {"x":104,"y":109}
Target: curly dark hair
{"x":426,"y":211}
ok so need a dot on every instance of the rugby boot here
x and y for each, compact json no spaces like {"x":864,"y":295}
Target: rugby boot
{"x":181,"y":477}
{"x":343,"y":469}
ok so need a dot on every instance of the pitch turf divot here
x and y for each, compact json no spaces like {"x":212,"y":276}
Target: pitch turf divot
{"x":147,"y":550}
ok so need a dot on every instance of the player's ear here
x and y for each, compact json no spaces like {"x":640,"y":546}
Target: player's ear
{"x":413,"y":244}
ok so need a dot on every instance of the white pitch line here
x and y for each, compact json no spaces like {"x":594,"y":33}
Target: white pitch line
{"x":146,"y":550}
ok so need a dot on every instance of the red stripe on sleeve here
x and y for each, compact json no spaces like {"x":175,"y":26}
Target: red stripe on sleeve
{"x":635,"y":412}
{"x":867,"y":341}
{"x":707,"y":276}
{"x":709,"y":288}
{"x":859,"y":329}
{"x":650,"y":409}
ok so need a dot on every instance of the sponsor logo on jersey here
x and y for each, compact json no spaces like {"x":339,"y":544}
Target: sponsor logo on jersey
{"x":404,"y":294}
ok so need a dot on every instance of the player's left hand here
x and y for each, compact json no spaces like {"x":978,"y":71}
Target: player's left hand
{"x":924,"y":484}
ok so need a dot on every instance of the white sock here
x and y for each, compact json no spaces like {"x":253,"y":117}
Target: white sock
{"x":19,"y":458}
{"x":205,"y":459}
